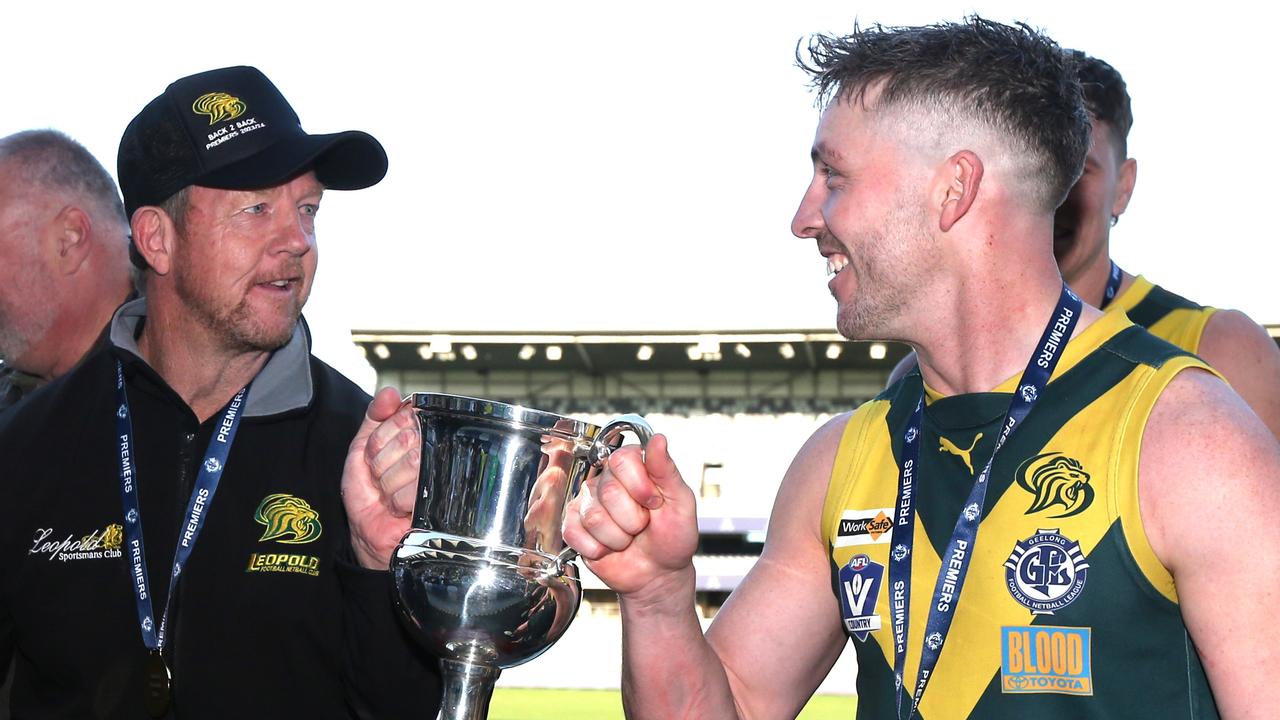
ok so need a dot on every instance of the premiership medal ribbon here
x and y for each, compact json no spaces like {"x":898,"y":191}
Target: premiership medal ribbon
{"x":1113,"y":285}
{"x":955,"y":561}
{"x":157,"y":692}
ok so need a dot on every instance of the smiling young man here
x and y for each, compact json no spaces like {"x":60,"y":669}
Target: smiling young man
{"x":1059,"y":580}
{"x":205,"y":511}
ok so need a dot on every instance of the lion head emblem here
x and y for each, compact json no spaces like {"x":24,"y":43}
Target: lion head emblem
{"x":218,"y":106}
{"x":112,"y":536}
{"x":1055,"y":480}
{"x":285,"y":515}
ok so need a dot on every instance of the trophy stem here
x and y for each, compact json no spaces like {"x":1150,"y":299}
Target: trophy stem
{"x":467,"y":689}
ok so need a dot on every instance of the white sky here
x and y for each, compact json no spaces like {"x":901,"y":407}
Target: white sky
{"x":598,"y":166}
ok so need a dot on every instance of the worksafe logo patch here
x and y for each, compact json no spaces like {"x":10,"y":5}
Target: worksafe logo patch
{"x":288,"y":519}
{"x":1056,"y":482}
{"x":97,"y":545}
{"x":864,"y":527}
{"x":218,"y":106}
{"x":1046,"y":659}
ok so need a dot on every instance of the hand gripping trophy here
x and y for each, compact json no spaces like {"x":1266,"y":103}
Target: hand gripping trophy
{"x":484,"y":575}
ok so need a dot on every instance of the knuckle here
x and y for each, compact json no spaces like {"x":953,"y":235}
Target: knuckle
{"x":613,"y":493}
{"x":595,"y":518}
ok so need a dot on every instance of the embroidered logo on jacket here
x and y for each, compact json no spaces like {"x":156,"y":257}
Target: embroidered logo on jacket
{"x":1055,"y":481}
{"x":288,"y":519}
{"x":104,"y":543}
{"x":291,"y":521}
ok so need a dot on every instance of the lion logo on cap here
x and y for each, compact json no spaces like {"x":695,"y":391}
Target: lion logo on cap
{"x":284,"y":514}
{"x":218,"y":106}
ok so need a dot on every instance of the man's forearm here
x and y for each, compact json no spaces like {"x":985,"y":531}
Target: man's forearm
{"x":669,"y":670}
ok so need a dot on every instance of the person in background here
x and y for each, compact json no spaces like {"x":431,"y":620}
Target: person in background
{"x":64,"y":259}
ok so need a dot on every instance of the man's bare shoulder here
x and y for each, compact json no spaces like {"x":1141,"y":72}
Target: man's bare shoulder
{"x":1232,"y":330}
{"x":1202,"y":444}
{"x":1248,"y":358}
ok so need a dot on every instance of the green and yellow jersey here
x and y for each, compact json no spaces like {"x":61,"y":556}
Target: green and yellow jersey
{"x":1066,"y":611}
{"x":1164,"y":314}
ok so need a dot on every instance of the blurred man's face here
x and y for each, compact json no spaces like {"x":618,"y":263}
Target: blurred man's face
{"x":245,"y":260}
{"x":1082,"y":224}
{"x":27,"y":305}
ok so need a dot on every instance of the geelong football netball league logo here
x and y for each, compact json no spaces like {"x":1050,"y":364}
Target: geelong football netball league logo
{"x":1055,"y":481}
{"x":288,"y":519}
{"x":218,"y":106}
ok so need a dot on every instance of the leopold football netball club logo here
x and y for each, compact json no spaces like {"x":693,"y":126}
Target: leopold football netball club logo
{"x":288,"y":519}
{"x":218,"y":106}
{"x":1055,"y":481}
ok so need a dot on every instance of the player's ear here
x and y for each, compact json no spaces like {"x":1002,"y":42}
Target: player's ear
{"x":1126,"y":178}
{"x":959,"y":180}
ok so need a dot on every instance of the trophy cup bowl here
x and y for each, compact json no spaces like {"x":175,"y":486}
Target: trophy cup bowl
{"x":483,"y":575}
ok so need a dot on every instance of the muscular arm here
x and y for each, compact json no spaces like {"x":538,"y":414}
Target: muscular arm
{"x":779,"y":633}
{"x":769,"y":646}
{"x":1248,"y":358}
{"x":1205,"y":455}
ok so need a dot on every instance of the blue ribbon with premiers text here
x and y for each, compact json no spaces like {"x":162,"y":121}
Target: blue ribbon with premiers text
{"x":197,"y":507}
{"x":955,"y":561}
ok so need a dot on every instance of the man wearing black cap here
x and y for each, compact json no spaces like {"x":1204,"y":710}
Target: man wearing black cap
{"x":195,"y":532}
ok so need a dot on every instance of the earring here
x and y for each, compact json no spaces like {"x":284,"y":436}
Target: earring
{"x":1114,"y":219}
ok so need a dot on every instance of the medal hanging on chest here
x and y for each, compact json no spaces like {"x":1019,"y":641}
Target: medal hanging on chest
{"x":157,"y":691}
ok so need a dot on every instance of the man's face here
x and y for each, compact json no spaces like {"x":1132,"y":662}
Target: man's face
{"x":1082,"y":224}
{"x":27,"y":305}
{"x":245,"y":260}
{"x":868,"y":220}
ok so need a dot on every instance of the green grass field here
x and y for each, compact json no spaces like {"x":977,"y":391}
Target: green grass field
{"x":522,"y":704}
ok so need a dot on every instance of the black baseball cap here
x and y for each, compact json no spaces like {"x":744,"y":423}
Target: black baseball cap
{"x":231,"y":129}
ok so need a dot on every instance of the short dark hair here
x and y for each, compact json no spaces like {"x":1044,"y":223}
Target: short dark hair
{"x":1012,"y":78}
{"x":51,"y":160}
{"x":1106,"y":97}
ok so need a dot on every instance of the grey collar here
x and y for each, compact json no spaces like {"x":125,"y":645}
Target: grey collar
{"x":283,"y":384}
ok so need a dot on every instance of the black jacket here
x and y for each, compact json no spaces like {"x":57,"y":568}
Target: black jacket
{"x":268,"y":620}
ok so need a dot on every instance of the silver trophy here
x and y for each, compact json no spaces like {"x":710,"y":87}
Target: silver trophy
{"x":484,"y":575}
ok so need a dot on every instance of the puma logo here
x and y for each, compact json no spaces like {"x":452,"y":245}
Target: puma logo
{"x":950,"y":447}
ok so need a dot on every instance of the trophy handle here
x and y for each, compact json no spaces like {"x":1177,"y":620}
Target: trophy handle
{"x":603,"y":445}
{"x":600,"y":450}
